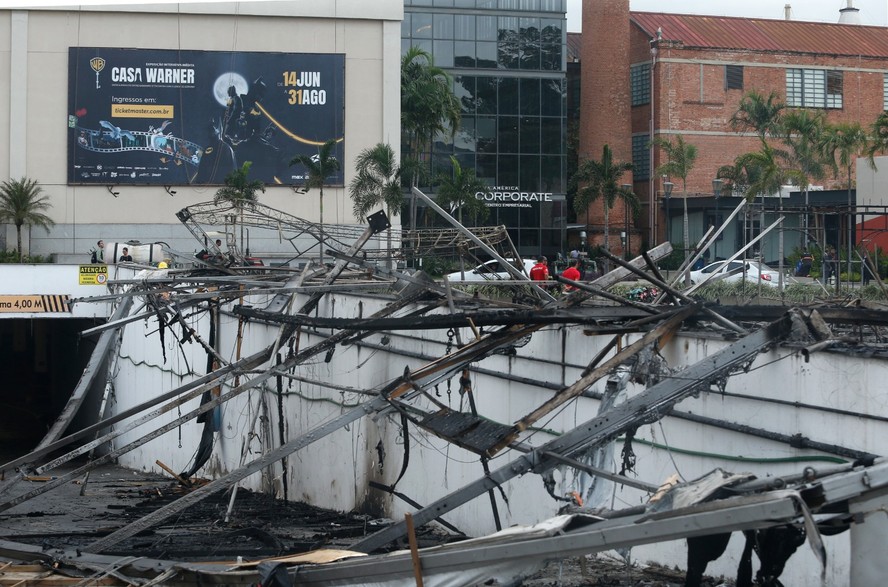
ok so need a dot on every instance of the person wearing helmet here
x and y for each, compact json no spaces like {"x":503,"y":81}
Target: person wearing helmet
{"x":162,"y":265}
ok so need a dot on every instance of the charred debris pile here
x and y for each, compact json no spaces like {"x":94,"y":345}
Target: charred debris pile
{"x":413,"y":301}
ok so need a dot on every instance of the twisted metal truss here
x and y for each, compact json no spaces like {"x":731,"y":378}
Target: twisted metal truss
{"x":305,"y":236}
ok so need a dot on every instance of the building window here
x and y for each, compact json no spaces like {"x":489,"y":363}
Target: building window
{"x":885,"y":92}
{"x":640,"y":83}
{"x":814,"y":88}
{"x":641,"y":157}
{"x":733,"y":77}
{"x":834,"y":84}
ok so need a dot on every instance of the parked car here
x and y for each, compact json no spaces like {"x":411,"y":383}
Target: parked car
{"x":733,"y":272}
{"x":489,"y":271}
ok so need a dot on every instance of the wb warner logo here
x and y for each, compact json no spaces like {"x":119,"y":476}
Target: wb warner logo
{"x":97,"y":64}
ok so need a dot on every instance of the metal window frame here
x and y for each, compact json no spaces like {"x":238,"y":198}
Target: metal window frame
{"x":733,"y":77}
{"x":640,"y":84}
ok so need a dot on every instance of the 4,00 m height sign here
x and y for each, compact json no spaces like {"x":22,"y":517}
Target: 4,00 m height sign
{"x":34,"y":304}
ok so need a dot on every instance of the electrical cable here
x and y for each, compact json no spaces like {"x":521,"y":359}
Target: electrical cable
{"x":669,"y":452}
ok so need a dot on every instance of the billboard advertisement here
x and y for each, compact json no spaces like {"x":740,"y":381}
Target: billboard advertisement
{"x":174,"y":117}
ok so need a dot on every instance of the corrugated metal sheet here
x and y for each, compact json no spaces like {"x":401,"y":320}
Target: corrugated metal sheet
{"x":783,"y":36}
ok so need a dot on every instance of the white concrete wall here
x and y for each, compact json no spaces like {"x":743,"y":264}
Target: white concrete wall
{"x":872,"y":183}
{"x":34,"y":76}
{"x":45,"y":279}
{"x":334,"y":471}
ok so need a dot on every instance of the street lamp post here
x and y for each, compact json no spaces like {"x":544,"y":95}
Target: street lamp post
{"x":716,"y":190}
{"x":667,"y":195}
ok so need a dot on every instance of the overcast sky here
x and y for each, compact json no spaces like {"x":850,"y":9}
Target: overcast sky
{"x":872,"y":12}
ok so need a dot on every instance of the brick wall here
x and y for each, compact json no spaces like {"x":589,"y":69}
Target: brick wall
{"x":606,"y":106}
{"x":693,"y":101}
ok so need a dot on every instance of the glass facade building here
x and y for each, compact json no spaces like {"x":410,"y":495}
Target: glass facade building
{"x":507,"y":61}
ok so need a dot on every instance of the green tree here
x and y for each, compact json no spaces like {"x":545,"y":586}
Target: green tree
{"x":602,"y":180}
{"x":680,"y":159}
{"x":428,"y":107}
{"x":320,"y":167}
{"x":378,"y":182}
{"x":758,"y":113}
{"x":841,"y":143}
{"x":802,"y":132}
{"x":766,"y":171}
{"x":769,"y":172}
{"x":240,"y":192}
{"x":457,"y":191}
{"x":22,"y":203}
{"x":878,"y":138}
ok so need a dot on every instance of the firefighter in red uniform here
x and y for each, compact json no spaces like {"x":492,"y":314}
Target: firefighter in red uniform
{"x":571,"y":273}
{"x":540,"y":271}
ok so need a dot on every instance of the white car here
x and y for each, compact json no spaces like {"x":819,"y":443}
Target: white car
{"x":733,"y":272}
{"x":489,"y":271}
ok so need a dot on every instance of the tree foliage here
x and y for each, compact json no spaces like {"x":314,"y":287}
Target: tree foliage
{"x":319,"y":167}
{"x":758,"y":113}
{"x":377,"y":181}
{"x":840,"y":144}
{"x":801,"y":131}
{"x":766,"y":171}
{"x":21,"y":204}
{"x":428,"y":105}
{"x":457,"y":191}
{"x":680,"y":159}
{"x":879,"y":138}
{"x":602,"y":180}
{"x":239,"y":190}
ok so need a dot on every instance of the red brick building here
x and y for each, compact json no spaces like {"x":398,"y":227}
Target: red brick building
{"x":663,"y":75}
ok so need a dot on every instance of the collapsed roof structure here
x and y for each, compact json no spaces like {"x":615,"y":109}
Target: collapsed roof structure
{"x":635,"y":332}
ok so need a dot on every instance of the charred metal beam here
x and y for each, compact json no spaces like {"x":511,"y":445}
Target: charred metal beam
{"x":674,"y":292}
{"x":596,"y":472}
{"x":831,"y":314}
{"x":584,"y":315}
{"x":648,"y":406}
{"x":426,"y":376}
{"x":606,"y":294}
{"x":667,"y":328}
{"x":514,"y":271}
{"x":414,"y":503}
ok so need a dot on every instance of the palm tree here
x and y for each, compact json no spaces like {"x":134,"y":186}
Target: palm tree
{"x":758,"y":113}
{"x":428,"y":107}
{"x":844,"y":141}
{"x":602,"y":179}
{"x":680,"y":158}
{"x":458,"y":191}
{"x":801,"y":133}
{"x":320,"y":167}
{"x":21,"y":203}
{"x":879,"y":138}
{"x":766,"y":171}
{"x":378,"y":181}
{"x":240,"y":191}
